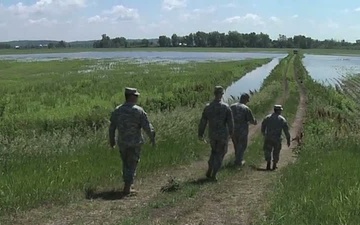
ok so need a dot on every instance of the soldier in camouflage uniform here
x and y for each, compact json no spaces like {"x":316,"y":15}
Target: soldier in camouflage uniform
{"x":272,"y":127}
{"x":221,"y":126}
{"x":242,"y":117}
{"x":128,"y":119}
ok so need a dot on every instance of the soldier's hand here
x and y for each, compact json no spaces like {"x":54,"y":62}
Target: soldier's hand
{"x":255,"y":122}
{"x":288,"y":143}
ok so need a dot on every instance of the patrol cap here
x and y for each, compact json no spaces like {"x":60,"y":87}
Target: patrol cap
{"x":278,"y":107}
{"x":219,"y":90}
{"x":245,"y":96}
{"x":131,"y":91}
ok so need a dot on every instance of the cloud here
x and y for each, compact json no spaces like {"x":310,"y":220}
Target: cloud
{"x":42,"y":21}
{"x":115,"y":14}
{"x":198,"y":13}
{"x":357,"y":9}
{"x":275,"y":19}
{"x":345,"y":11}
{"x":120,"y":12}
{"x":42,"y":7}
{"x":255,"y":19}
{"x":169,"y":5}
{"x":229,"y":5}
{"x":97,"y":19}
{"x":295,"y":16}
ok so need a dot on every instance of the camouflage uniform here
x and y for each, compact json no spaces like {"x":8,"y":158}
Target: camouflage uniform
{"x":221,"y":125}
{"x":128,"y":119}
{"x":242,"y":117}
{"x":271,"y":128}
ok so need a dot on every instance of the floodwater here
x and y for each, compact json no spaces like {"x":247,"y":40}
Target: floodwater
{"x":251,"y":81}
{"x":144,"y":56}
{"x":330,"y":69}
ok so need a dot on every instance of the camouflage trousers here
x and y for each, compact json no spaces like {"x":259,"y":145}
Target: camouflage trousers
{"x":240,"y":144}
{"x":130,"y":157}
{"x":272,"y":148}
{"x":218,"y":151}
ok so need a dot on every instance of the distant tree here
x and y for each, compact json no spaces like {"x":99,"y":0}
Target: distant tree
{"x":51,"y":45}
{"x":164,"y":41}
{"x":61,"y":44}
{"x":174,"y":40}
{"x":145,"y":42}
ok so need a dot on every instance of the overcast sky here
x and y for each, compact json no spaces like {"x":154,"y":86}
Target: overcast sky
{"x":71,"y":20}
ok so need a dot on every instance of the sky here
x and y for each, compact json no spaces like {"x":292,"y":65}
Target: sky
{"x":71,"y":20}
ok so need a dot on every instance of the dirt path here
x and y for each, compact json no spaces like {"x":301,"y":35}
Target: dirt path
{"x":241,"y":199}
{"x":100,"y":211}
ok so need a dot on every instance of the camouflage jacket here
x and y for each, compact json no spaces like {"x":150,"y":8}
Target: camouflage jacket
{"x":242,"y":117}
{"x":220,"y":119}
{"x":272,"y":127}
{"x":128,"y":119}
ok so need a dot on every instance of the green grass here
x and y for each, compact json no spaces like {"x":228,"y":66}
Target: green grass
{"x":190,"y":193}
{"x":54,"y":123}
{"x":323,"y":186}
{"x":51,"y":96}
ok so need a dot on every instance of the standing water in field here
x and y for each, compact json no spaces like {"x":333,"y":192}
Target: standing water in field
{"x":331,"y":69}
{"x":251,"y":81}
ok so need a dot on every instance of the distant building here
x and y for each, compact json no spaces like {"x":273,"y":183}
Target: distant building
{"x":17,"y":47}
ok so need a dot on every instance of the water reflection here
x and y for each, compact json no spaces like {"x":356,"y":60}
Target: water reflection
{"x":144,"y":56}
{"x":251,"y":81}
{"x":330,"y":69}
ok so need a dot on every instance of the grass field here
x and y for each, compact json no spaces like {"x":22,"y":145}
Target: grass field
{"x":323,"y":186}
{"x":181,"y":49}
{"x":54,"y":119}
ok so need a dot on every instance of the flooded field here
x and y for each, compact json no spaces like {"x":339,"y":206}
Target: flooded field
{"x":251,"y":81}
{"x":144,"y":56}
{"x":330,"y":69}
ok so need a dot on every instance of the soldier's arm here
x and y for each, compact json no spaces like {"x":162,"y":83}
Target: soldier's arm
{"x":203,"y":123}
{"x":230,"y":121}
{"x":263,"y":126}
{"x":286,"y":131}
{"x":147,"y":126}
{"x":250,"y":117}
{"x":112,"y":129}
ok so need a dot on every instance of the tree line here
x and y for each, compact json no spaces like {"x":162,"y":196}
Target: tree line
{"x":232,"y":39}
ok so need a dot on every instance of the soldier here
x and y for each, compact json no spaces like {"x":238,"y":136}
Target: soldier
{"x":271,"y":128}
{"x":128,"y":119}
{"x":221,"y":125}
{"x":242,"y":117}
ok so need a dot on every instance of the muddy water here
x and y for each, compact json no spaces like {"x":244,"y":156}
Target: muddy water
{"x":330,"y":69}
{"x":251,"y":81}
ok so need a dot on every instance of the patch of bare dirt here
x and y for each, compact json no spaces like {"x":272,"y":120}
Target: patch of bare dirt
{"x":241,"y":199}
{"x":111,"y":207}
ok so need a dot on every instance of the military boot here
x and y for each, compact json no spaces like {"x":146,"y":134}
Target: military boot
{"x":268,"y":165}
{"x":208,"y":173}
{"x":126,"y":190}
{"x":274,"y":166}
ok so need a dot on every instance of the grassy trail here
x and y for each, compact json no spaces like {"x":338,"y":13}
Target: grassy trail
{"x":240,"y":198}
{"x":85,"y":211}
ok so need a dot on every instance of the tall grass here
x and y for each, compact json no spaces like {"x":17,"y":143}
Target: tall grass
{"x":54,"y":123}
{"x":323,"y":186}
